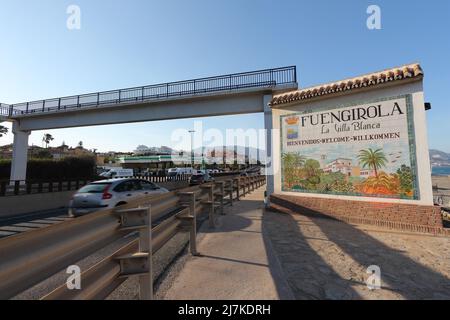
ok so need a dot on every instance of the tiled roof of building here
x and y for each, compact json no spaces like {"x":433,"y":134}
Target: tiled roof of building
{"x":369,"y":80}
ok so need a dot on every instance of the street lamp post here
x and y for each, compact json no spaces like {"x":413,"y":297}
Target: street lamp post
{"x":192,"y":147}
{"x":203,"y":157}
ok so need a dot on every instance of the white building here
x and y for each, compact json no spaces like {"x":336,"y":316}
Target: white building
{"x":341,"y":165}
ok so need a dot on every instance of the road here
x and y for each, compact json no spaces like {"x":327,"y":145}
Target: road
{"x":36,"y":220}
{"x":30,"y":221}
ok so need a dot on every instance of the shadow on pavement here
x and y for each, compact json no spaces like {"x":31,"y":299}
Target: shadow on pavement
{"x":311,"y":276}
{"x":244,"y":219}
{"x":308,"y":274}
{"x":407,"y":277}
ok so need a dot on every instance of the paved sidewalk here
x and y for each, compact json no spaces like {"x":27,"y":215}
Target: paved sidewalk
{"x":237,"y":261}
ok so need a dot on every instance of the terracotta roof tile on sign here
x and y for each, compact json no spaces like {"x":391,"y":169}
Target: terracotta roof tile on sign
{"x":401,"y":73}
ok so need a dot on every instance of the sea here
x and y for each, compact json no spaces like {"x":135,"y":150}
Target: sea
{"x":440,"y":171}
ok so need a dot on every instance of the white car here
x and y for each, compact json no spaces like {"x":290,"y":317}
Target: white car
{"x":173,"y":172}
{"x":117,"y":173}
{"x":109,"y":194}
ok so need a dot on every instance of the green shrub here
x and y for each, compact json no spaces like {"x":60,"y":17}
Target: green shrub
{"x":45,"y":169}
{"x":5,"y":168}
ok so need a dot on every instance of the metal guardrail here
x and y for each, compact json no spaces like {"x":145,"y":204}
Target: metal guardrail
{"x":255,"y":79}
{"x":31,"y":257}
{"x":24,"y":187}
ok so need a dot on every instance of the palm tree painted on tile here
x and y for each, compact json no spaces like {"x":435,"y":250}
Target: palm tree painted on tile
{"x":291,"y":162}
{"x":372,"y":159}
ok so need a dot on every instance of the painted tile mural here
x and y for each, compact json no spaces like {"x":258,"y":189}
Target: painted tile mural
{"x":362,"y":150}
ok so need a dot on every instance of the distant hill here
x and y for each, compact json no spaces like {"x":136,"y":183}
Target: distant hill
{"x":439,"y":158}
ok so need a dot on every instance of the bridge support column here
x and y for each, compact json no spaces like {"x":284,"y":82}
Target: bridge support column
{"x":20,"y":154}
{"x":268,"y":125}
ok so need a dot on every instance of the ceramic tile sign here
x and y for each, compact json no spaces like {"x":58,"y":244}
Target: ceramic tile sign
{"x":362,"y":150}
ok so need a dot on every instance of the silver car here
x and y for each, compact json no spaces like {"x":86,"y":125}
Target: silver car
{"x":109,"y":194}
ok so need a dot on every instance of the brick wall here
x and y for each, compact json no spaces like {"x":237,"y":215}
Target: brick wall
{"x":395,"y":216}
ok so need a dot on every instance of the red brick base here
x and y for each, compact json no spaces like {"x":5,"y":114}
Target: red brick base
{"x":390,"y":215}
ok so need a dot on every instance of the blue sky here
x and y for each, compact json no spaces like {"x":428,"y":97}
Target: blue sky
{"x":133,"y":43}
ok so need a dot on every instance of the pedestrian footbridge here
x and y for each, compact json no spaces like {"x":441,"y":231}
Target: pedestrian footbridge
{"x":213,"y":96}
{"x":239,"y":93}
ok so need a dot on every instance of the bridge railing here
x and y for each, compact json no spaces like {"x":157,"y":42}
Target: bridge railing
{"x":4,"y":109}
{"x":254,"y":79}
{"x":7,"y":110}
{"x":29,"y":258}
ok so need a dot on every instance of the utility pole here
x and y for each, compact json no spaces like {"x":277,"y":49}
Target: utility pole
{"x":203,"y":157}
{"x":192,"y":147}
{"x":224,"y":157}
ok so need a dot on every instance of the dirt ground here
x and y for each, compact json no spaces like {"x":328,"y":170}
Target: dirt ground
{"x":327,"y":259}
{"x":441,"y":182}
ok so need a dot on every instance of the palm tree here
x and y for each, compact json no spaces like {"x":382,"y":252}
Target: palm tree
{"x":3,"y":131}
{"x":372,"y":159}
{"x":47,"y":138}
{"x":312,"y":170}
{"x":291,"y":162}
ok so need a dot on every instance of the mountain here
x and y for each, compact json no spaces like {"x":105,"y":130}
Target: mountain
{"x":439,"y":158}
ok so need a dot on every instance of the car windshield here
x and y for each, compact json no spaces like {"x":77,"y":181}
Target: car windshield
{"x":94,"y":188}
